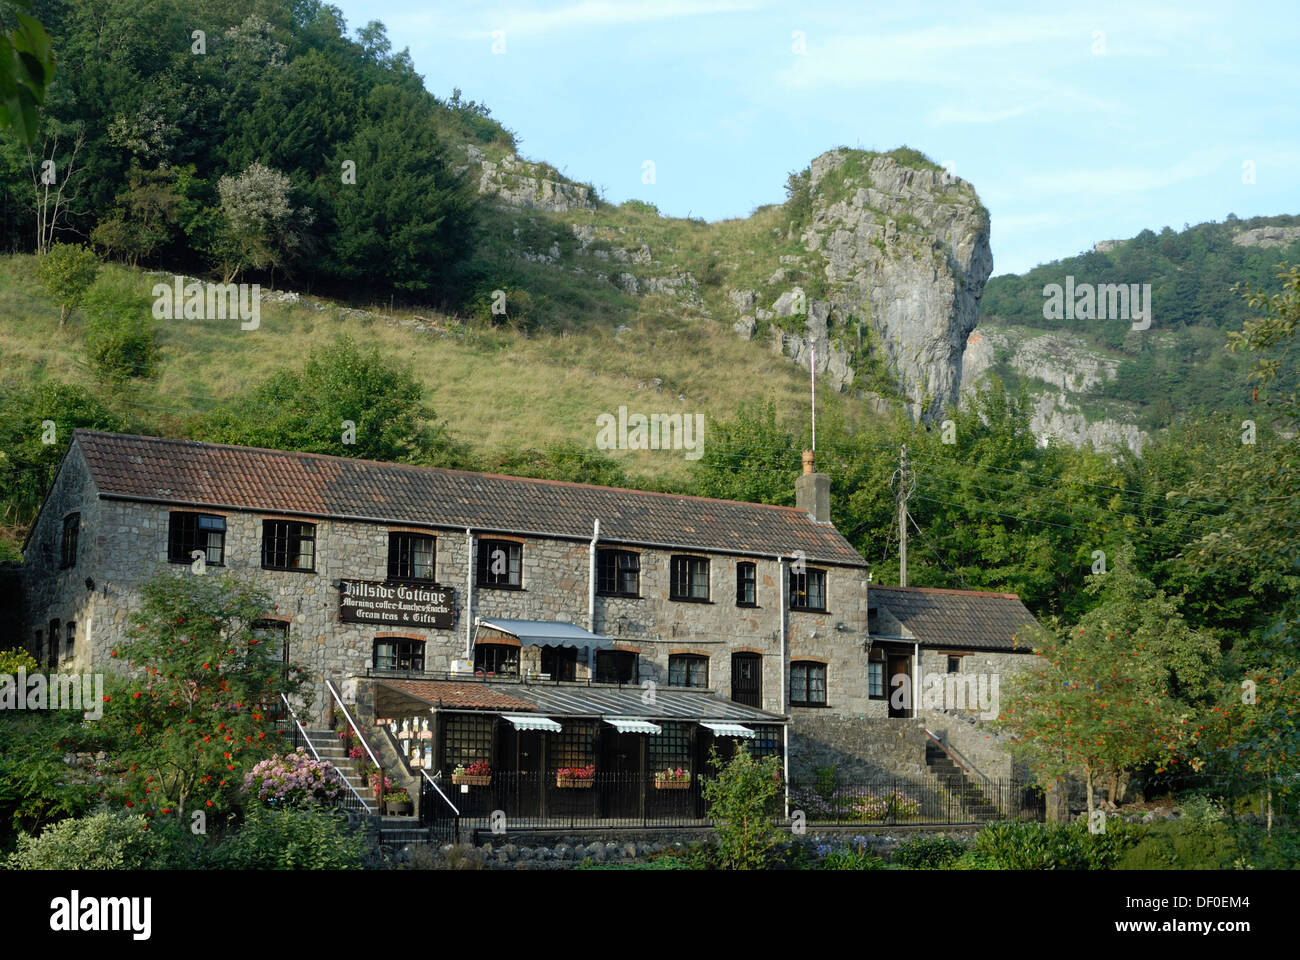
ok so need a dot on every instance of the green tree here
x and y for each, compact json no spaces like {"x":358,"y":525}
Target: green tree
{"x":743,"y":800}
{"x":26,"y":70}
{"x":259,"y":228}
{"x":66,"y":273}
{"x":191,"y":714}
{"x":308,"y":410}
{"x":120,"y":336}
{"x":1123,"y":688}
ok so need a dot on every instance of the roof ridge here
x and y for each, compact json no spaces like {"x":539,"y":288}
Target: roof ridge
{"x":963,"y":593}
{"x":182,"y":441}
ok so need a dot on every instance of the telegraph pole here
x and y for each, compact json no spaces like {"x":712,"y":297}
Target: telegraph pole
{"x":905,"y":483}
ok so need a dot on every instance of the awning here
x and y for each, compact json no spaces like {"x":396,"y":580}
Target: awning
{"x":729,"y":730}
{"x":627,"y":725}
{"x":548,"y":633}
{"x":532,"y":723}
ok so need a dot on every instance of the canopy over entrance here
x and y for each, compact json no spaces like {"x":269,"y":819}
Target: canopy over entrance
{"x":547,"y":633}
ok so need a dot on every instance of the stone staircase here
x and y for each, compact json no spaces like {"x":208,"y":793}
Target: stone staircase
{"x":968,"y":792}
{"x":397,"y":831}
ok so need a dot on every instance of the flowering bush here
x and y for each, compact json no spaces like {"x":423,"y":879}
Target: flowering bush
{"x":673,"y":775}
{"x":576,"y":773}
{"x":355,"y":752}
{"x":842,"y":803}
{"x":397,"y":796}
{"x":294,"y":778}
{"x":479,"y":768}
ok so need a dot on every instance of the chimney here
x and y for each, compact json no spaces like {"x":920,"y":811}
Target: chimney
{"x":812,"y":491}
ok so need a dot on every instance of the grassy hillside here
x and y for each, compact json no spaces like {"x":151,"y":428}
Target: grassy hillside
{"x":499,"y":389}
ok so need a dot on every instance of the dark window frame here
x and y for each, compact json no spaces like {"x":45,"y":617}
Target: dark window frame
{"x":803,"y":691}
{"x":743,"y":568}
{"x":69,"y":541}
{"x":617,"y":664}
{"x":496,"y":658}
{"x":876,"y":666}
{"x":561,"y":663}
{"x":688,"y":662}
{"x":407,"y":655}
{"x":292,"y":534}
{"x":801,"y":590}
{"x":514,"y":575}
{"x":70,"y":631}
{"x":683,"y":573}
{"x":401,"y":555}
{"x":183,"y":540}
{"x":954,"y":663}
{"x":613,"y":567}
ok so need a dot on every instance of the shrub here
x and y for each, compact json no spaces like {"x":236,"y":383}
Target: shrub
{"x":927,"y":852}
{"x":1038,"y":846}
{"x":66,"y":273}
{"x":103,"y":841}
{"x":119,"y":335}
{"x":855,"y":855}
{"x":294,"y":838}
{"x":743,"y":800}
{"x":11,"y":661}
{"x":295,"y":778}
{"x":1182,"y":846}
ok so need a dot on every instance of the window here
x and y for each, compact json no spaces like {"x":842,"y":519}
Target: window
{"x":500,"y":563}
{"x":747,"y":679}
{"x":560,"y":663}
{"x":616,"y":666}
{"x":399,"y":653}
{"x":671,"y":748}
{"x":501,"y":659}
{"x":954,"y":664}
{"x":573,"y":746}
{"x":71,"y":530}
{"x":746,"y":590}
{"x":876,"y":678}
{"x":410,"y":556}
{"x":187,"y":532}
{"x":618,"y":573}
{"x":808,"y":684}
{"x":288,"y":545}
{"x":72,"y":640}
{"x":690,"y":579}
{"x":808,"y":590}
{"x":52,"y":654}
{"x":465,"y":739}
{"x":688,"y":670}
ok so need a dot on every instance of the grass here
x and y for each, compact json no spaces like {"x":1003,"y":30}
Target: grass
{"x":497,"y":388}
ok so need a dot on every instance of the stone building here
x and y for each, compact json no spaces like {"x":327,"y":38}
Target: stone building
{"x":419,"y":590}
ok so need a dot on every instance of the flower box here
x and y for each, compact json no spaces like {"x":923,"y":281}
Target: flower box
{"x":473,"y":780}
{"x":672,"y":784}
{"x":574,"y":783}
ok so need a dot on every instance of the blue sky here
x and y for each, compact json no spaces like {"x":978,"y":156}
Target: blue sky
{"x":1075,"y":123}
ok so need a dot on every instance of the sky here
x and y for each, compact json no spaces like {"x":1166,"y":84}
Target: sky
{"x":1075,"y":123}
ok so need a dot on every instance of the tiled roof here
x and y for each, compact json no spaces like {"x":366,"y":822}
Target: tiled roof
{"x":461,"y":696}
{"x":955,"y":618}
{"x":187,"y":472}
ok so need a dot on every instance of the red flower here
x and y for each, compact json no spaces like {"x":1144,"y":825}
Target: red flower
{"x":130,"y":804}
{"x":136,"y":695}
{"x":209,"y":803}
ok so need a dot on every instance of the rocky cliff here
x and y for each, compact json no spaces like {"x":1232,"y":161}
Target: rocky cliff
{"x":878,"y":267}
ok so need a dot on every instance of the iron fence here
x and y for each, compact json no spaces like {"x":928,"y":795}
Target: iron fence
{"x":524,"y":800}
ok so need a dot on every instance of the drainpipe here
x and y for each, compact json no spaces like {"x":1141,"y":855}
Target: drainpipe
{"x":916,"y":679}
{"x":591,"y":592}
{"x":785,"y":637}
{"x":469,"y":596}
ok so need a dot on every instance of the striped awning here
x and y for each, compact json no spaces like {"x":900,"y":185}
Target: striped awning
{"x":730,"y":730}
{"x":627,"y":725}
{"x":532,"y":723}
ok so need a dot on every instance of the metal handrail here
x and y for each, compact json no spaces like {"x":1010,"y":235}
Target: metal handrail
{"x":434,"y":783}
{"x":312,"y":747}
{"x":329,"y":685}
{"x":956,"y":756}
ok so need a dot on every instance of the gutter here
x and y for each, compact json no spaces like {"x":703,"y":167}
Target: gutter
{"x":469,"y":595}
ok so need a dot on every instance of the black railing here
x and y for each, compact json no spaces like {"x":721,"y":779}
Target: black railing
{"x":437,"y":812}
{"x":532,"y":801}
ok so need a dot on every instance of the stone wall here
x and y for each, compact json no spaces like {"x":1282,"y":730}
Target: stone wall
{"x":858,"y":747}
{"x":125,"y":543}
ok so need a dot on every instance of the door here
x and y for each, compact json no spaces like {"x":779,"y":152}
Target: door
{"x":899,"y":691}
{"x":746,"y":682}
